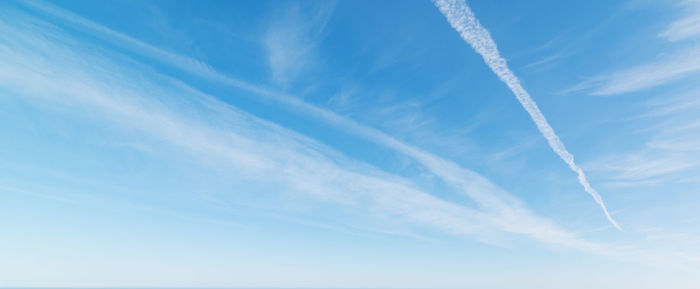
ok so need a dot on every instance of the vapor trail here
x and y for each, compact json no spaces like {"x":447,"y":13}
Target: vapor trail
{"x":508,"y":212}
{"x":462,"y":19}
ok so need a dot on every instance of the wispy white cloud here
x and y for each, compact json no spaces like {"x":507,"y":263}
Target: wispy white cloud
{"x":667,"y":106}
{"x":686,"y":27}
{"x":462,"y":19}
{"x":668,"y":152}
{"x":291,"y":38}
{"x":497,"y":209}
{"x":668,"y":68}
{"x":644,"y":76}
{"x":250,"y":147}
{"x":50,"y":68}
{"x":644,"y":167}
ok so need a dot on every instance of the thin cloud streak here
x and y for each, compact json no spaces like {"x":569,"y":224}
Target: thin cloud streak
{"x":680,"y":64}
{"x":291,"y":38}
{"x":78,"y":77}
{"x":646,"y":76}
{"x":686,"y":27}
{"x":462,"y":19}
{"x":262,"y":151}
{"x":504,"y":211}
{"x":668,"y":155}
{"x":248,"y":147}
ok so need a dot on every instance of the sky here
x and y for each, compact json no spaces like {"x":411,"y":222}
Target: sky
{"x":350,"y":144}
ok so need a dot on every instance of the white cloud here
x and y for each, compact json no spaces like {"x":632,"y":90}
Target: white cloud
{"x":293,"y":159}
{"x":667,"y":155}
{"x":252,"y":148}
{"x":466,"y":181}
{"x":52,"y":69}
{"x":669,"y":149}
{"x":657,"y":73}
{"x":291,"y":37}
{"x":681,"y":64}
{"x":686,"y":27}
{"x":462,"y":19}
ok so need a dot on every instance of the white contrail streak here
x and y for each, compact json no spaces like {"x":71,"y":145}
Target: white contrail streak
{"x":507,"y":211}
{"x":462,"y":19}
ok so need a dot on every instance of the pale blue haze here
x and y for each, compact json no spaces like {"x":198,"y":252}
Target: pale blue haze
{"x":350,"y":144}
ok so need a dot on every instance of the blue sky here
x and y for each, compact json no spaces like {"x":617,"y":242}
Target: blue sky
{"x":391,"y":144}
